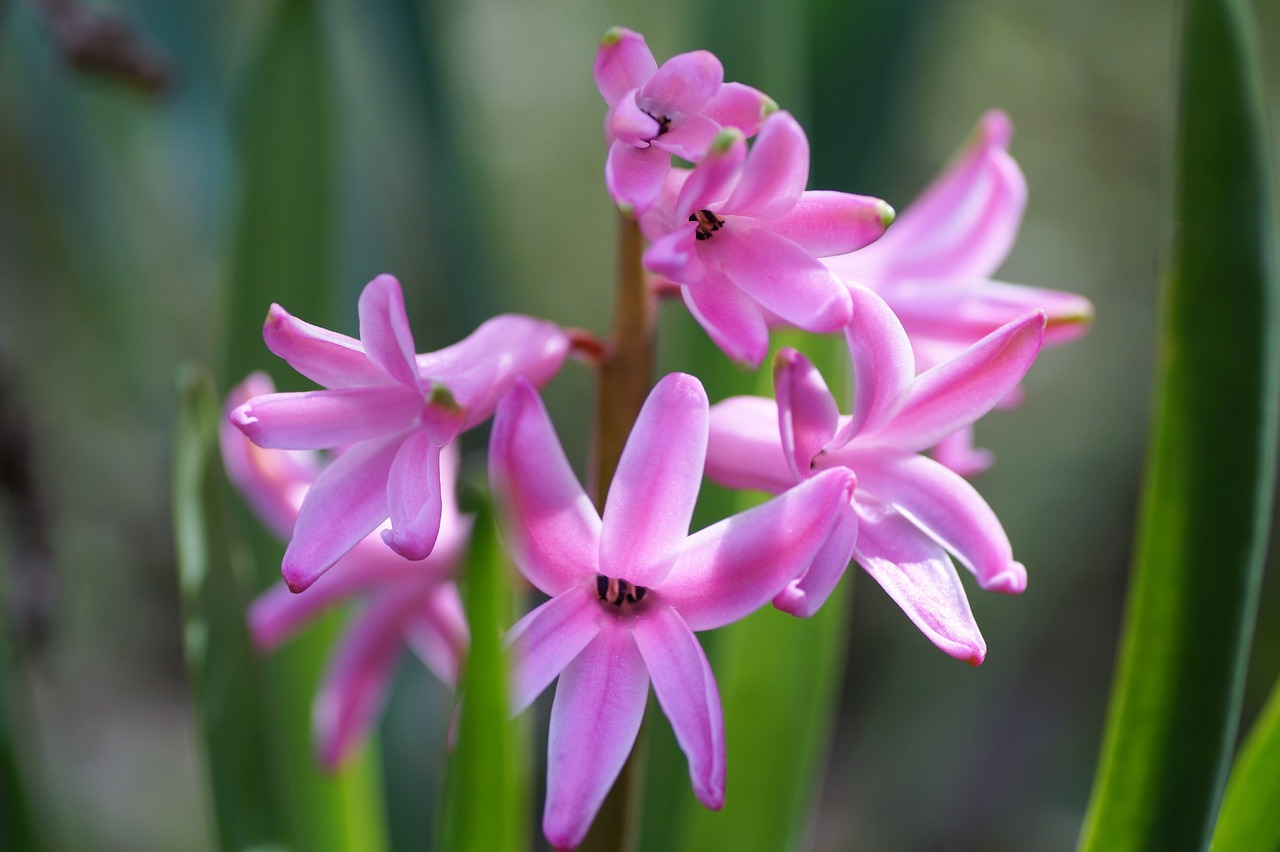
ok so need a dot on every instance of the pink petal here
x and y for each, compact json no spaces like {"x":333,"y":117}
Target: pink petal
{"x":354,"y":688}
{"x":688,"y":137}
{"x":346,"y":503}
{"x":675,"y":256}
{"x":651,"y":498}
{"x":744,"y":449}
{"x":775,"y":172}
{"x":629,"y":124}
{"x":549,"y":524}
{"x":327,"y":358}
{"x":883,"y":365}
{"x":830,"y":223}
{"x":953,"y":395}
{"x":634,"y":176}
{"x":731,"y":317}
{"x":781,"y":276}
{"x":623,"y":62}
{"x":807,"y":413}
{"x":413,"y":497}
{"x":743,"y":107}
{"x":384,"y":330}
{"x":314,"y":420}
{"x":958,"y":452}
{"x":734,"y":567}
{"x":548,"y":639}
{"x":683,"y":84}
{"x":687,"y":693}
{"x":918,"y":575}
{"x":438,"y":633}
{"x":712,"y":179}
{"x":805,"y":595}
{"x":941,"y":503}
{"x":596,"y":715}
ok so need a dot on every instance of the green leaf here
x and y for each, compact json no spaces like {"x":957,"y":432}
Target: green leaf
{"x":1249,"y":820}
{"x":486,"y":794}
{"x":1211,"y":465}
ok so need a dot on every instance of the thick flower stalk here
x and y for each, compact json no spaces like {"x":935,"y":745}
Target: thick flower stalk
{"x":908,"y":510}
{"x":741,"y":237}
{"x":629,"y":589}
{"x":391,"y":411}
{"x":935,"y":265}
{"x":657,"y":112}
{"x":404,"y":602}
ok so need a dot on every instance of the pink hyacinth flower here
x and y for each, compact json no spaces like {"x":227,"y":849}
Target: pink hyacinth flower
{"x":392,"y":411}
{"x":414,"y":603}
{"x":935,"y":265}
{"x":909,"y":510}
{"x":741,"y":237}
{"x":629,"y":590}
{"x":655,"y":112}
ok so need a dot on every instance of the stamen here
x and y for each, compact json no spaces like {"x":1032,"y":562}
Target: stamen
{"x":708,"y":223}
{"x":618,"y":592}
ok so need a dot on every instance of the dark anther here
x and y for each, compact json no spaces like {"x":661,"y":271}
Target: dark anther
{"x":708,"y":223}
{"x":618,"y":592}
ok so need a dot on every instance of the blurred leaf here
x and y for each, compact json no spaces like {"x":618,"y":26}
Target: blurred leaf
{"x":1211,"y":467}
{"x":19,"y":826}
{"x":486,"y":795}
{"x":1249,"y":820}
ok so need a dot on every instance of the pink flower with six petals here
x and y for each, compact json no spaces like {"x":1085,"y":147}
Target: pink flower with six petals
{"x":629,"y":590}
{"x":908,"y":510}
{"x":393,"y":411}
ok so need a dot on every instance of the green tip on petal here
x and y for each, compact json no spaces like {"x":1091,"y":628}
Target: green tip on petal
{"x":612,"y":36}
{"x":442,"y":398}
{"x":768,"y":107}
{"x":887,"y":215}
{"x":628,"y":210}
{"x":725,"y":138}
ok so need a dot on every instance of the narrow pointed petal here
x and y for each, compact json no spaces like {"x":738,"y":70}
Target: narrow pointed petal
{"x":740,"y":106}
{"x":314,"y":420}
{"x":651,"y":498}
{"x":549,"y":524}
{"x":781,"y":276}
{"x":623,"y":62}
{"x":744,"y":449}
{"x":775,"y":172}
{"x":687,"y":693}
{"x":883,"y":364}
{"x":957,"y":451}
{"x":734,"y":567}
{"x":917,"y":573}
{"x":634,"y":176}
{"x":675,"y":255}
{"x":711,"y":180}
{"x":830,"y":223}
{"x":805,"y":595}
{"x":347,"y":502}
{"x":954,"y":394}
{"x":438,"y":632}
{"x":327,"y":358}
{"x":355,"y":684}
{"x":548,"y":639}
{"x":629,"y":124}
{"x":594,"y":721}
{"x":384,"y":330}
{"x":413,"y":497}
{"x":683,"y":84}
{"x":941,"y":503}
{"x":731,"y":317}
{"x":807,"y":412}
{"x":689,"y":137}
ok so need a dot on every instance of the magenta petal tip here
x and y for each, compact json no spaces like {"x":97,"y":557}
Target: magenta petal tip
{"x":1011,"y":581}
{"x":997,"y":128}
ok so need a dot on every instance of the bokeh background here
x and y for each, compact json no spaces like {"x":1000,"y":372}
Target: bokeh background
{"x":463,"y":152}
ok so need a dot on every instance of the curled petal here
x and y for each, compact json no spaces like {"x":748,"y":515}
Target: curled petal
{"x":629,"y":124}
{"x":745,"y":449}
{"x":651,"y":497}
{"x":781,"y":276}
{"x":686,"y":690}
{"x":734,"y":567}
{"x":917,"y":573}
{"x":548,"y":639}
{"x":413,"y":497}
{"x":831,"y":223}
{"x":683,"y":85}
{"x":731,"y":317}
{"x":743,"y":107}
{"x":942,"y":504}
{"x":327,"y":358}
{"x":775,"y":172}
{"x":438,"y":632}
{"x":688,"y":137}
{"x":807,"y":413}
{"x":712,"y":179}
{"x":594,"y":721}
{"x":634,"y":176}
{"x":675,"y":256}
{"x":805,"y":595}
{"x":384,"y":330}
{"x":314,"y":420}
{"x":623,"y":62}
{"x":550,"y":526}
{"x":883,"y":365}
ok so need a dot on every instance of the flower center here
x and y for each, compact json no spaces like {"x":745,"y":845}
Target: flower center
{"x":664,"y":123}
{"x":618,"y":592}
{"x":708,"y":223}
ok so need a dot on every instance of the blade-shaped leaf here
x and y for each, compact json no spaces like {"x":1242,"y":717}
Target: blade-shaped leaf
{"x":1211,"y":465}
{"x":1249,"y":819}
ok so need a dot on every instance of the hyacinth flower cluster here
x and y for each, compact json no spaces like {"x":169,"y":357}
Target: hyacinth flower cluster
{"x":934,"y":343}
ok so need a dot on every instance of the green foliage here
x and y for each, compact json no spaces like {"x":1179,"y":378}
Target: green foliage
{"x":1249,"y":820}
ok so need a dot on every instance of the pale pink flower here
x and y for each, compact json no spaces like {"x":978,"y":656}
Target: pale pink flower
{"x":392,"y":411}
{"x":908,"y":510}
{"x":403,"y":602}
{"x":629,"y":590}
{"x":657,"y":112}
{"x":935,"y":265}
{"x":741,"y":237}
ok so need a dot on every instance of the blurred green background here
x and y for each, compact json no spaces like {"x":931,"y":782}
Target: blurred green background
{"x":461,"y":145}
